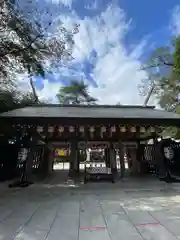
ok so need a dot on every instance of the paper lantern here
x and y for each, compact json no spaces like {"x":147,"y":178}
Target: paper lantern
{"x":133,"y":129}
{"x":169,"y":153}
{"x":103,"y":129}
{"x":152,"y":129}
{"x":142,"y":129}
{"x":50,"y":129}
{"x":71,"y":129}
{"x":61,"y":129}
{"x":123,"y":129}
{"x":40,"y":129}
{"x":81,"y":129}
{"x":113,"y":129}
{"x":92,"y":129}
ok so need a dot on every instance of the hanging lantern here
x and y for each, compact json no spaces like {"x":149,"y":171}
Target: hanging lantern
{"x":71,"y":129}
{"x":123,"y":129}
{"x":40,"y":129}
{"x":113,"y":130}
{"x":133,"y":129}
{"x":61,"y":129}
{"x":142,"y":129}
{"x":152,"y":129}
{"x":103,"y":130}
{"x":81,"y":129}
{"x":169,"y":152}
{"x":50,"y":129}
{"x":92,"y":130}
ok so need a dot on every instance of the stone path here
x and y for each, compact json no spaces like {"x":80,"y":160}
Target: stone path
{"x":125,"y":210}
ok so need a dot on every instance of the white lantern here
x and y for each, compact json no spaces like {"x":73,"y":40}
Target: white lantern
{"x":71,"y":129}
{"x":133,"y":129}
{"x":39,"y":129}
{"x":169,"y":153}
{"x":113,"y":129}
{"x":50,"y":129}
{"x":142,"y":129}
{"x":152,"y":129}
{"x":123,"y":129}
{"x":92,"y":129}
{"x":61,"y":129}
{"x":103,"y":129}
{"x":81,"y":129}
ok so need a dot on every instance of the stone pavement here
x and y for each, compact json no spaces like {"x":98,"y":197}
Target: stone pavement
{"x":126,"y":210}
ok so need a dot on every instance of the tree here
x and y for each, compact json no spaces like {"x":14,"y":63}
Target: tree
{"x":11,"y":100}
{"x":164,"y":84}
{"x":29,"y":45}
{"x":163,"y":69}
{"x":75,"y":93}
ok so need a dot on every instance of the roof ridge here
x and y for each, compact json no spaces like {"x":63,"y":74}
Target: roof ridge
{"x":92,"y":106}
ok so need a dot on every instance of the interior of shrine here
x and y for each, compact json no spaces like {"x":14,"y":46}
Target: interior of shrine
{"x":88,"y":142}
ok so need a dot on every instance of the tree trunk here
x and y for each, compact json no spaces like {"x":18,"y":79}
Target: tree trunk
{"x":34,"y":90}
{"x":32,"y":86}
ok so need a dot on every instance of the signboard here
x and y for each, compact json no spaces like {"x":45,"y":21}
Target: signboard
{"x":60,"y":152}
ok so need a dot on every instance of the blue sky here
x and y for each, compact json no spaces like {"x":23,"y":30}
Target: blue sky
{"x":114,"y":38}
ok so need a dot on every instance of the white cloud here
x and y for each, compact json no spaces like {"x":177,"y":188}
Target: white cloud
{"x":116,"y":71}
{"x":48,"y":93}
{"x":66,"y":3}
{"x":92,"y":6}
{"x":175,"y":23}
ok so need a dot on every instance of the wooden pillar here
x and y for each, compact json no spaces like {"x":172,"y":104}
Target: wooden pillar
{"x":159,"y":158}
{"x":107,"y":157}
{"x":112,"y":157}
{"x":46,"y":164}
{"x":50,"y":159}
{"x":121,"y":158}
{"x":74,"y":161}
{"x":135,"y":163}
{"x":29,"y":166}
{"x":139,"y":155}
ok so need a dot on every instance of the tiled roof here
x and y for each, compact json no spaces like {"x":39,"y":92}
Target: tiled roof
{"x":92,"y":111}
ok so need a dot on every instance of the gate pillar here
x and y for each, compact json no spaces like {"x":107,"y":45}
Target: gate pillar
{"x":74,"y":161}
{"x":121,"y":158}
{"x":47,"y":161}
{"x":113,"y":158}
{"x":107,"y":157}
{"x":135,"y":164}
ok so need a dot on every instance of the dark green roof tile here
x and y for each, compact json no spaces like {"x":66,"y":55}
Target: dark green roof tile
{"x":95,"y":111}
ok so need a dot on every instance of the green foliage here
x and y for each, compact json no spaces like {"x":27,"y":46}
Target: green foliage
{"x":75,"y":93}
{"x":10,"y":100}
{"x":26,"y":44}
{"x":176,"y":57}
{"x":167,"y":84}
{"x":165,"y":60}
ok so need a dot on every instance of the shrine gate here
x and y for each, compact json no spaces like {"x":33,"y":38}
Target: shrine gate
{"x":121,"y":129}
